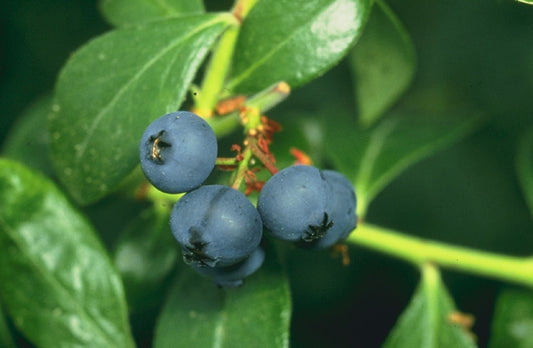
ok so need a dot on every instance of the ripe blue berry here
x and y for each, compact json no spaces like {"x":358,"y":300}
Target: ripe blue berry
{"x":294,"y":204}
{"x":215,"y":226}
{"x":178,"y":152}
{"x":343,"y":204}
{"x":312,"y":207}
{"x":232,"y":276}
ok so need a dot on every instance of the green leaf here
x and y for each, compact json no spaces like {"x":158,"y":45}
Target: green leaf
{"x":300,"y":132}
{"x":28,"y":141}
{"x":56,"y":280}
{"x":112,"y":88}
{"x":132,"y":12}
{"x":373,"y":157}
{"x":529,"y":2}
{"x":145,"y":255}
{"x":383,"y":63}
{"x":6,"y":340}
{"x":294,"y":40}
{"x":512,"y":324}
{"x":198,"y":314}
{"x":524,"y":166}
{"x":426,"y":322}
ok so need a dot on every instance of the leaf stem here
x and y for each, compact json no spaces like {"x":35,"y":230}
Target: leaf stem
{"x":226,"y":161}
{"x":162,"y":201}
{"x":242,"y":7}
{"x":243,"y":167}
{"x":270,"y":97}
{"x":216,"y":72}
{"x":262,"y":101}
{"x":419,"y":251}
{"x":220,"y":63}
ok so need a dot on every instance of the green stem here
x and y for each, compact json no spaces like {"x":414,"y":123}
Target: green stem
{"x":270,"y":97}
{"x":226,"y":161}
{"x":163,"y":201}
{"x":420,"y":251}
{"x":220,"y":63}
{"x":241,"y":170}
{"x":225,"y":125}
{"x":242,"y":7}
{"x":251,"y":118}
{"x":261,"y":101}
{"x":217,"y":71}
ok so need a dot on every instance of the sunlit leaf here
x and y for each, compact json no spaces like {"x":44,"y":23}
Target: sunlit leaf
{"x":112,"y":88}
{"x":56,"y":280}
{"x":133,"y":12}
{"x":294,"y":40}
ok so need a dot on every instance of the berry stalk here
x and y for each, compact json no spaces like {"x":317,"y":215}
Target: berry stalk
{"x":242,"y":168}
{"x":219,"y":65}
{"x":420,"y":251}
{"x":270,"y":97}
{"x":262,"y":101}
{"x":217,"y":71}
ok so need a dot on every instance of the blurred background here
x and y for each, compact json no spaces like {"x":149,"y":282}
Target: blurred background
{"x":478,"y":51}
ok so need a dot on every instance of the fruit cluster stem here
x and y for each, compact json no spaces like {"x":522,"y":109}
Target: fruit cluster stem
{"x":216,"y":73}
{"x":269,"y":97}
{"x":242,"y":7}
{"x":242,"y":168}
{"x":220,"y":63}
{"x":420,"y":251}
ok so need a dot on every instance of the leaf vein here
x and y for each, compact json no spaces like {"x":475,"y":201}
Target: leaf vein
{"x":125,"y":87}
{"x":235,"y":81}
{"x":55,"y":284}
{"x":368,"y":160}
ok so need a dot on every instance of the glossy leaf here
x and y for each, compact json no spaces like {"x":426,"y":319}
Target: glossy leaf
{"x":145,"y":254}
{"x":112,"y":88}
{"x":56,"y":280}
{"x":133,"y":12}
{"x":198,"y":314}
{"x":383,"y":63}
{"x":6,"y":340}
{"x":373,"y":157}
{"x":294,"y":40}
{"x":512,"y":323}
{"x":28,"y":141}
{"x":524,"y":166}
{"x":428,"y":321}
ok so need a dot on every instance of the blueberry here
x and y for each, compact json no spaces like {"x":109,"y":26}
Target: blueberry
{"x":178,"y":152}
{"x":343,"y":204}
{"x":215,"y":226}
{"x":232,"y":276}
{"x":294,"y":204}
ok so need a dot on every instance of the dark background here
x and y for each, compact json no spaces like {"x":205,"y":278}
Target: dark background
{"x":468,"y":194}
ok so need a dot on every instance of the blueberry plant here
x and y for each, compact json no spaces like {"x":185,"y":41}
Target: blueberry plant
{"x":197,"y":180}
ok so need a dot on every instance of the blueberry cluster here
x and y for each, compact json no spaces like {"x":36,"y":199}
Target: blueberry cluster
{"x":218,"y":228}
